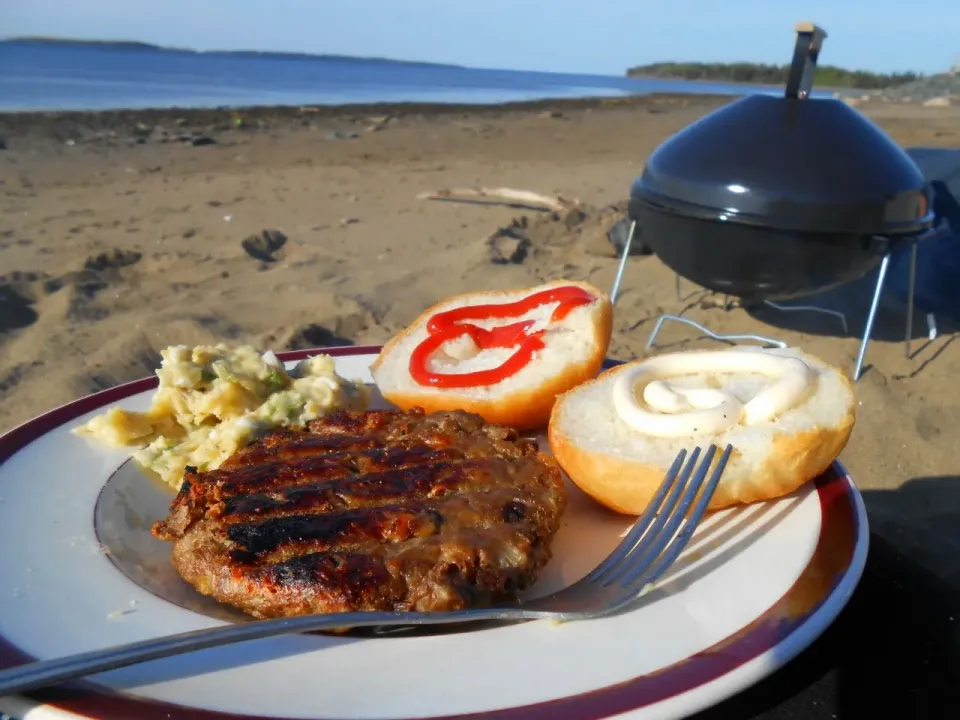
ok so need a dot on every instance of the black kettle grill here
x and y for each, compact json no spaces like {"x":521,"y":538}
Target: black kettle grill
{"x":772,"y":198}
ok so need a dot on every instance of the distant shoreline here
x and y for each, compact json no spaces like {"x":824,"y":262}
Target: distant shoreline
{"x":262,"y":54}
{"x":826,"y":76}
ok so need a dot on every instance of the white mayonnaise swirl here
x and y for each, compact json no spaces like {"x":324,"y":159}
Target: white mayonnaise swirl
{"x":674,"y":411}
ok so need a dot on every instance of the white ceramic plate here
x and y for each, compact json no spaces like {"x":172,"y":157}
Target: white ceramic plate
{"x":79,"y":571}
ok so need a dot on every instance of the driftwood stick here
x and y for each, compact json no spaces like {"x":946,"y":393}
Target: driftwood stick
{"x":509,"y":195}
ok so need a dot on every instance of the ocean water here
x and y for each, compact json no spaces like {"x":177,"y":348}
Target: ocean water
{"x":42,"y":76}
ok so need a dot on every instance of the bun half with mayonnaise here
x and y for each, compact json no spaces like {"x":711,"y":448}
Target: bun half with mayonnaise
{"x":572,"y":352}
{"x":620,"y":459}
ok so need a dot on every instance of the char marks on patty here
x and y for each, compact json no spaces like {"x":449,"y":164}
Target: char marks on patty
{"x":376,"y":510}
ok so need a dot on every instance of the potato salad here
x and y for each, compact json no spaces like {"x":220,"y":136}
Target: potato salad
{"x":213,"y":400}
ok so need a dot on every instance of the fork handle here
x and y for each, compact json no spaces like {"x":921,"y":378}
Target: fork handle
{"x":42,"y":673}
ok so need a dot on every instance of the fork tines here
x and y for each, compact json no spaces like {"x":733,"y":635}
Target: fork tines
{"x":657,"y":538}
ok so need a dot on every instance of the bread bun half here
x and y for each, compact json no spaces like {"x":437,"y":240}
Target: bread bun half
{"x":622,"y":468}
{"x":573,"y":352}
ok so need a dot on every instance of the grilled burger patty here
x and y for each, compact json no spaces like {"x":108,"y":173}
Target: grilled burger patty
{"x":378,"y":510}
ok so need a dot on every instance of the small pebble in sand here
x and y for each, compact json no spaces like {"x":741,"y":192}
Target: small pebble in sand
{"x":348,"y":221}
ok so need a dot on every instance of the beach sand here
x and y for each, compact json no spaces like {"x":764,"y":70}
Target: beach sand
{"x":118,"y":238}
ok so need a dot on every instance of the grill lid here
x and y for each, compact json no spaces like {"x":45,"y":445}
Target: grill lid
{"x":791,"y":163}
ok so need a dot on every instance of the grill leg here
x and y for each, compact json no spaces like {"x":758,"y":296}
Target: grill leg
{"x":912,"y":282}
{"x":615,"y":290}
{"x":709,"y":333}
{"x":810,"y":308}
{"x":932,"y":331}
{"x":871,"y":317}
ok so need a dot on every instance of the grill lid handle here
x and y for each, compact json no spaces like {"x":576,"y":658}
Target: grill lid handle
{"x":805,"y":53}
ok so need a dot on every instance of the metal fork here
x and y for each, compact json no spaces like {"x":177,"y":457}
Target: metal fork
{"x":649,"y":548}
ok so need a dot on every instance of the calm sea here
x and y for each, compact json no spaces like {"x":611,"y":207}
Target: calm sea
{"x":77,"y":77}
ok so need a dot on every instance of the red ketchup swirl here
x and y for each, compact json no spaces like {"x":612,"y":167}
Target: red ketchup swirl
{"x":451,"y":325}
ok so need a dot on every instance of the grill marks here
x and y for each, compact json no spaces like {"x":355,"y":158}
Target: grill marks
{"x":319,"y":467}
{"x":369,"y":489}
{"x":345,"y":528}
{"x":375,"y":510}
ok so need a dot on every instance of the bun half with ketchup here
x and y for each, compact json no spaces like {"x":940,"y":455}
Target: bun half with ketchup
{"x":504,"y":355}
{"x":787,"y":413}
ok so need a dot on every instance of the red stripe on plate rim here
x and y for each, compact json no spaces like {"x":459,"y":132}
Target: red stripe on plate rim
{"x":832,"y":558}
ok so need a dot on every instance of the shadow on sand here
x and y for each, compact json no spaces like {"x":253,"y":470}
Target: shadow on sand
{"x":937,"y":271}
{"x":895,"y":650}
{"x":853,"y":300}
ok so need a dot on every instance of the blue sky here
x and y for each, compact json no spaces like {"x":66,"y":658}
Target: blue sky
{"x":588,"y":36}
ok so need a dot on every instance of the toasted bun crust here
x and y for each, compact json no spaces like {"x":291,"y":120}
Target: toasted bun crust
{"x":574,"y":353}
{"x":622,"y":469}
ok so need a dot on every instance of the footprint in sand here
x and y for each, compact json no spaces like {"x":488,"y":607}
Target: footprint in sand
{"x":932,"y":421}
{"x":22,"y":294}
{"x":19,"y":293}
{"x":16,"y":310}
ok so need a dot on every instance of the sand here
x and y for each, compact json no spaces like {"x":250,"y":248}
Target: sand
{"x":117,"y":238}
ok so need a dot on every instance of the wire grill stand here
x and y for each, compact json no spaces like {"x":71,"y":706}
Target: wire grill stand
{"x":867,"y":330}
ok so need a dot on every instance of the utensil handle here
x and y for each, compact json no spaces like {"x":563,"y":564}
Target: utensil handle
{"x":51,"y":672}
{"x":805,"y":53}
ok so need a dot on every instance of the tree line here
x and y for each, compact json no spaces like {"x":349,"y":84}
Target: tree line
{"x":825,"y":76}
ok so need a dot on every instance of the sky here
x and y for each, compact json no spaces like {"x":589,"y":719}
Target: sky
{"x":578,"y":36}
